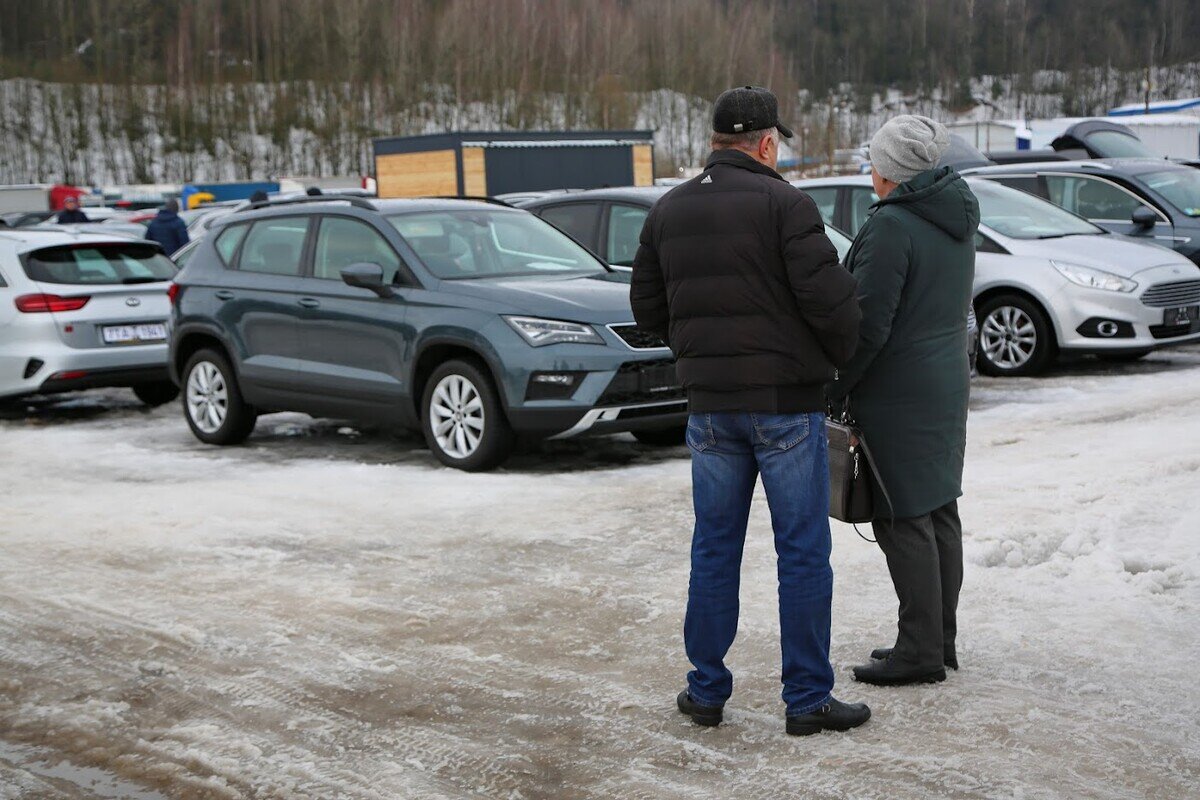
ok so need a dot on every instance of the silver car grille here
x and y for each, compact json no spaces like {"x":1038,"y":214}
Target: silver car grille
{"x":1175,"y":293}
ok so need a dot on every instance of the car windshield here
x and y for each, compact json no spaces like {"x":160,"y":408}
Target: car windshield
{"x":1114,"y":144}
{"x":458,"y":245}
{"x":99,"y":264}
{"x":1181,"y":187}
{"x":1019,"y":215}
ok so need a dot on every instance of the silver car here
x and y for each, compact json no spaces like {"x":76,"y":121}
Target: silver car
{"x":83,"y":310}
{"x":1048,"y":281}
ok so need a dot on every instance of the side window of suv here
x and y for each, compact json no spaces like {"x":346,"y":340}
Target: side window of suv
{"x":342,"y":241}
{"x":578,"y":220}
{"x":1092,"y":198}
{"x":624,"y":230}
{"x":274,"y":246}
{"x":228,"y":241}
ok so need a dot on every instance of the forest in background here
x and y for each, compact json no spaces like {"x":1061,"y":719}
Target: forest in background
{"x":145,"y":90}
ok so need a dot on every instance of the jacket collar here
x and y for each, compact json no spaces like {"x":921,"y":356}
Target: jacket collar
{"x":736,"y":158}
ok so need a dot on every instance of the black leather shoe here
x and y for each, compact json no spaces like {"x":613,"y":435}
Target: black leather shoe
{"x":884,"y":653}
{"x":892,"y":673}
{"x":709,"y":716}
{"x":833,"y":716}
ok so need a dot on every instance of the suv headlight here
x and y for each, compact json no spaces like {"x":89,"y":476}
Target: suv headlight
{"x":1093,"y":278}
{"x":539,"y":332}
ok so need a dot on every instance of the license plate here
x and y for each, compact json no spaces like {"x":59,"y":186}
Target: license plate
{"x":134,"y":334}
{"x":1181,"y":315}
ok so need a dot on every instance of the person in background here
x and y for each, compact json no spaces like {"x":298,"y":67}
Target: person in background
{"x":735,"y":273}
{"x":313,"y":191}
{"x":259,"y":196}
{"x":908,"y":385}
{"x":167,"y":228}
{"x":71,"y":213}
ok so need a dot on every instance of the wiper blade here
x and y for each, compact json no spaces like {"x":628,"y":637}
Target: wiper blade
{"x":128,"y":281}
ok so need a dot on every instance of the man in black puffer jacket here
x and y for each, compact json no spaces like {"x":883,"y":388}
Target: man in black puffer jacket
{"x":735,"y":272}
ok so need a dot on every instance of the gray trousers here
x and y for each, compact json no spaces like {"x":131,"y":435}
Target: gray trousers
{"x":924,"y":556}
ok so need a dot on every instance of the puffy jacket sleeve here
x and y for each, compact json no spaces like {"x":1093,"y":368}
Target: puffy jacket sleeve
{"x":648,"y":288}
{"x":824,"y":290}
{"x":880,"y":262}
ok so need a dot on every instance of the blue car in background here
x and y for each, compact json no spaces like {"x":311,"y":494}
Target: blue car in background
{"x":477,"y":323}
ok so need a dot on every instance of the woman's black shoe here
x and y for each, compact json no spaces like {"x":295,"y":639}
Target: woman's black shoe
{"x":884,"y":653}
{"x":833,"y":716}
{"x":701,"y":715}
{"x":892,"y":673}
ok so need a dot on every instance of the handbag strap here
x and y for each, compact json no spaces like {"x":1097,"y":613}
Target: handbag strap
{"x":862,"y":443}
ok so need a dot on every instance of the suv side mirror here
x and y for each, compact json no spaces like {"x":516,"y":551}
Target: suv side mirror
{"x":366,"y":275}
{"x":1144,"y":217}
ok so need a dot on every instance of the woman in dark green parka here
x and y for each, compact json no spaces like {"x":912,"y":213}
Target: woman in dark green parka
{"x":909,"y":381}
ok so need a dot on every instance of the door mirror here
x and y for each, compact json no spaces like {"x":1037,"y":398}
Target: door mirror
{"x":1144,"y":217}
{"x":365,"y":275}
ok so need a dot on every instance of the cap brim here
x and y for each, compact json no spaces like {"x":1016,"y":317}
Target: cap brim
{"x":784,"y":131}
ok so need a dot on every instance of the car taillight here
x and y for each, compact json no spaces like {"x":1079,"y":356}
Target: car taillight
{"x":172,"y":292}
{"x":42,"y":303}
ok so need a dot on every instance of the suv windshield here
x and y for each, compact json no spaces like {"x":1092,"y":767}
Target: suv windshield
{"x":1181,"y":187}
{"x":487,"y":244}
{"x":99,"y":264}
{"x":1019,"y":215}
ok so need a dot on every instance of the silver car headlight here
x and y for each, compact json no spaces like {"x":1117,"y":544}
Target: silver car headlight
{"x":539,"y":332}
{"x":1093,"y":278}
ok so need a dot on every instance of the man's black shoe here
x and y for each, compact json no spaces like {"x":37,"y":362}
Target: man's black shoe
{"x":884,"y":653}
{"x":833,"y":716}
{"x":701,"y":715}
{"x":892,"y":673}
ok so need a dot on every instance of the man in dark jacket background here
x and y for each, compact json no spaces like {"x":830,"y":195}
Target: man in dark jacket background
{"x":736,"y":274}
{"x":909,"y":381}
{"x":167,"y":228}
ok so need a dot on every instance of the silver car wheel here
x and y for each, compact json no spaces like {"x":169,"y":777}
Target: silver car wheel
{"x":1008,"y":337}
{"x":456,"y":416}
{"x":207,"y":397}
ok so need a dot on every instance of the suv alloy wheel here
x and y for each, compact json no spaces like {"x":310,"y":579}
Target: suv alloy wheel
{"x":464,"y":425}
{"x":212,"y":402}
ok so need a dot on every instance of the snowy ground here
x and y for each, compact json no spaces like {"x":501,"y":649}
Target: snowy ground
{"x":327,"y":614}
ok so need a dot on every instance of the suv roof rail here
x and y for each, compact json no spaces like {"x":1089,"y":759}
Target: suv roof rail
{"x":477,"y":198}
{"x":354,"y":200}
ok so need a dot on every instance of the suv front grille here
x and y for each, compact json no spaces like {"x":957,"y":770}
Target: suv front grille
{"x":651,"y":381}
{"x":637,"y":338}
{"x":1176,"y":293}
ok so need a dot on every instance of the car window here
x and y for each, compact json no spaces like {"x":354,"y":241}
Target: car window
{"x":1026,"y":183}
{"x":185,"y":253}
{"x":985,"y":245}
{"x":826,"y":199}
{"x":578,"y":220}
{"x":861,"y":200}
{"x":1091,"y":197}
{"x":624,"y":230}
{"x":1114,"y":144}
{"x":455,"y":245}
{"x":342,"y":241}
{"x":228,"y":241}
{"x":99,"y":264}
{"x":1181,"y":187}
{"x":274,"y":246}
{"x":1020,"y":215}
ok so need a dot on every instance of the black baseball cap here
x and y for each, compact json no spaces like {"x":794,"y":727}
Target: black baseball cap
{"x":747,"y":108}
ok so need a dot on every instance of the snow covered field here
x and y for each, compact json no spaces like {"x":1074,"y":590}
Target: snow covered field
{"x":325,"y":613}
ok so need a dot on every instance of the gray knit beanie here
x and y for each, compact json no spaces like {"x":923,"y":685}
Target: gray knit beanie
{"x":908,"y":145}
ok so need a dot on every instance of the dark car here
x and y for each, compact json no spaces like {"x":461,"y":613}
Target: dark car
{"x":475,"y":322}
{"x":1151,"y":199}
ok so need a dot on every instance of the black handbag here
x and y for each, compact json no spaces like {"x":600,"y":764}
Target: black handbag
{"x":856,"y":492}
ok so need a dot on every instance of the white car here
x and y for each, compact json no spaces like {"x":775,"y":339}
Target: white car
{"x":83,"y":310}
{"x":1048,"y":281}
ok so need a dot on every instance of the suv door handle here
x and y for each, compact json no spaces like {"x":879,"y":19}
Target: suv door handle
{"x":224,"y":294}
{"x":309,"y":302}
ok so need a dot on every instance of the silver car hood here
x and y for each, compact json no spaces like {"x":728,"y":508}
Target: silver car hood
{"x":1111,"y":253}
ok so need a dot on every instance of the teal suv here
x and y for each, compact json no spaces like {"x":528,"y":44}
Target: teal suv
{"x":475,"y":322}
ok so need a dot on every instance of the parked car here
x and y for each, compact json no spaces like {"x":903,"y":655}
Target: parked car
{"x":1151,"y":199}
{"x":476,"y":323}
{"x":1048,"y":281}
{"x":83,"y":310}
{"x":19,"y":219}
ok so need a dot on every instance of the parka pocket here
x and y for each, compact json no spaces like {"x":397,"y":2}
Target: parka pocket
{"x":780,"y":431}
{"x":700,"y":435}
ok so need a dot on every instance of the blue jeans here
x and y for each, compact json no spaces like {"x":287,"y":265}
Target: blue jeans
{"x":729,"y":452}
